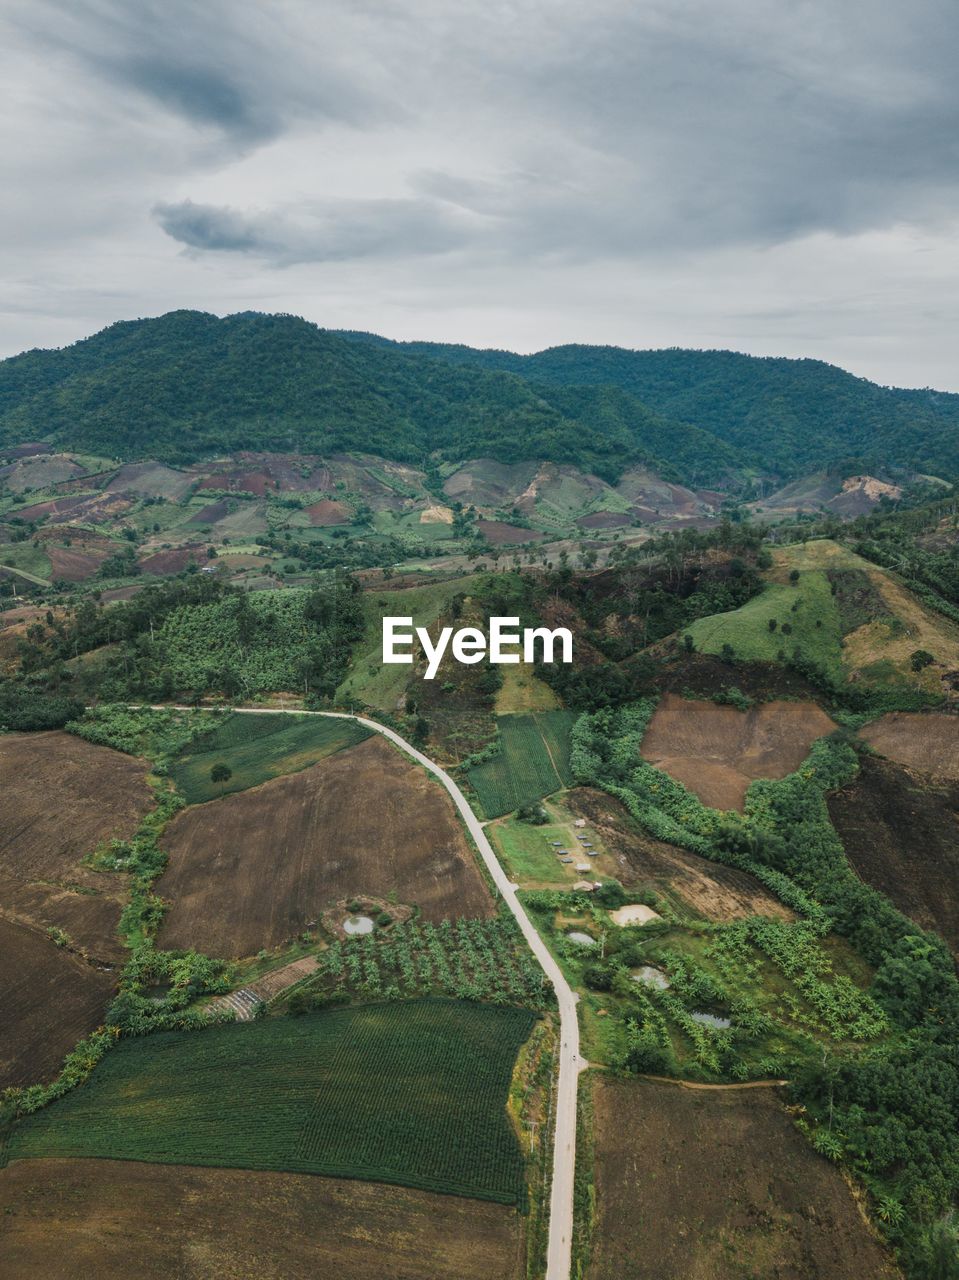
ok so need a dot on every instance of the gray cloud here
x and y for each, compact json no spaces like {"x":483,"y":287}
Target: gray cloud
{"x":476,"y":164}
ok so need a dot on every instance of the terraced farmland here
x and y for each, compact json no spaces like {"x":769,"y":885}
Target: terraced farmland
{"x":533,"y":762}
{"x":257,"y":748}
{"x":413,"y":1094}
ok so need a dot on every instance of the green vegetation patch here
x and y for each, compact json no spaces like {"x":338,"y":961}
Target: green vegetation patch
{"x":533,"y":762}
{"x":411,"y":1093}
{"x":784,"y":621}
{"x":255,"y":748}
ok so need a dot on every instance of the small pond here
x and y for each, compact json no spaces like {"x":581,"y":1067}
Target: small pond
{"x":358,"y":924}
{"x":583,"y":939}
{"x":711,"y":1020}
{"x":651,"y":977}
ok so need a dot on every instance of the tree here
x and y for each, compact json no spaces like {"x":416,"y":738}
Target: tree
{"x":920,"y":659}
{"x":794,"y":576}
{"x":221,"y":773}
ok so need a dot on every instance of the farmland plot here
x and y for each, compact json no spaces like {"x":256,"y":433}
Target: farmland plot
{"x":254,"y":869}
{"x":534,"y":762}
{"x":74,"y":1219}
{"x":257,"y":748}
{"x":411,"y":1093}
{"x":51,"y":999}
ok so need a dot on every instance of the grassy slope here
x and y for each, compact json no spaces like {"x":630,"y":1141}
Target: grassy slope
{"x":369,"y":679}
{"x":412,"y":1093}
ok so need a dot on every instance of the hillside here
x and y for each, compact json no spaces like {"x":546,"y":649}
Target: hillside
{"x":189,"y":385}
{"x":786,"y":416}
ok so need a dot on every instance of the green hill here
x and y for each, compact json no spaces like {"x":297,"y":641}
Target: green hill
{"x":188,"y":385}
{"x":786,"y":416}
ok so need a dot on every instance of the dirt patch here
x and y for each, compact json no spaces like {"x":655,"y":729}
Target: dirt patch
{"x":499,"y":533}
{"x":712,"y":891}
{"x":175,"y":560}
{"x":73,"y":1219}
{"x":716,"y":750}
{"x":213,"y":512}
{"x":62,"y":796}
{"x":436,"y":514}
{"x":254,"y":868}
{"x":74,"y":564}
{"x":328,"y":512}
{"x":715,"y":1185}
{"x":51,"y":999}
{"x":605,"y":520}
{"x":901,"y":833}
{"x":926,"y":742}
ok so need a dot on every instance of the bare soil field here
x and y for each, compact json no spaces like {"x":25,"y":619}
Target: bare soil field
{"x":499,"y":533}
{"x":928,"y":742}
{"x":900,"y":831}
{"x":713,"y":891}
{"x":61,"y":797}
{"x":175,"y":560}
{"x":51,"y":999}
{"x":717,"y":1184}
{"x":73,"y":1219}
{"x":74,"y":564}
{"x":716,"y":750}
{"x":256,"y":867}
{"x":328,"y":512}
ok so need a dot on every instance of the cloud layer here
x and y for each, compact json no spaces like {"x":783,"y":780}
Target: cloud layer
{"x":770,"y":177}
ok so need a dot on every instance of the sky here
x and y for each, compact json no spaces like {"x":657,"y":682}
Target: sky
{"x":773,"y":176}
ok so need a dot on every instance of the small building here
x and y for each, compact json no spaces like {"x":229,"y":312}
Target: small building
{"x":580,"y":822}
{"x":584,"y":886}
{"x":582,"y":866}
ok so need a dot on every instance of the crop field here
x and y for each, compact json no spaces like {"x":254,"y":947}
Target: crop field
{"x":899,"y":832}
{"x":51,"y":999}
{"x":709,"y":889}
{"x":255,"y":868}
{"x":533,"y":762}
{"x":926,"y":742}
{"x":62,"y":796}
{"x":412,"y":1093}
{"x":718,"y":1184}
{"x":258,"y":748}
{"x":717,"y":750}
{"x":79,"y":1218}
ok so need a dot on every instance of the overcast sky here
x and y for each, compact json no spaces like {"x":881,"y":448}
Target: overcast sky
{"x":773,"y":176}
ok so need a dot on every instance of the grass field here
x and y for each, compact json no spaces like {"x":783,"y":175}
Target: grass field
{"x":534,"y":762}
{"x":528,"y":854}
{"x":258,"y":748}
{"x":522,"y":692}
{"x":369,"y":679}
{"x":808,"y":609}
{"x":411,"y":1093}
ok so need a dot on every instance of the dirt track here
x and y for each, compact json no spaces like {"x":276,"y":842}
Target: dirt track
{"x":716,"y":750}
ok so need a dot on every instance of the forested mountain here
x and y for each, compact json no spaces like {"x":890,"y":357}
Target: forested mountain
{"x":790,"y":416}
{"x":188,"y":385}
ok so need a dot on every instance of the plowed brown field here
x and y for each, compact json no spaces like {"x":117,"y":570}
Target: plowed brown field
{"x":900,"y":831}
{"x":61,"y":797}
{"x":711,"y":890}
{"x":75,"y":1219}
{"x":254,"y":868}
{"x":716,"y":750}
{"x":927,"y":741}
{"x":718,"y":1184}
{"x":50,"y":1000}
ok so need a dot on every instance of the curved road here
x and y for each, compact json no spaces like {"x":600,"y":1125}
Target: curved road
{"x":559,"y":1253}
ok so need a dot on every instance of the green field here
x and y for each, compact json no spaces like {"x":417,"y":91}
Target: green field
{"x":370,"y":680}
{"x":412,"y":1093}
{"x":256,"y":748}
{"x":814,"y":624}
{"x":533,"y":762}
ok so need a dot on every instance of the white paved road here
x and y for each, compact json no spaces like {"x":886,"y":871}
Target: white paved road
{"x":570,"y":1062}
